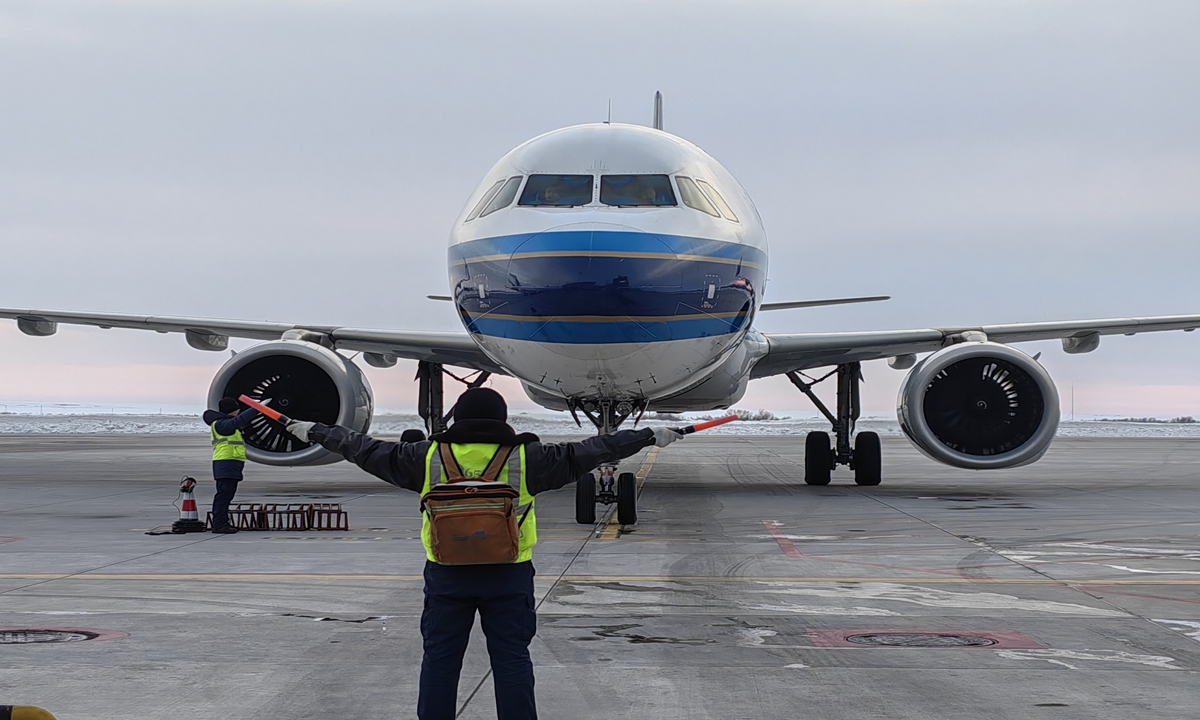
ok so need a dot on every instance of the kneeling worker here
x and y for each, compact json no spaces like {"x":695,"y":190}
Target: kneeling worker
{"x":229,"y":457}
{"x":479,"y":448}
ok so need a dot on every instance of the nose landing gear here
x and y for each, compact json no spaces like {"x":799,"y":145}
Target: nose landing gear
{"x":863,"y":456}
{"x":611,"y":486}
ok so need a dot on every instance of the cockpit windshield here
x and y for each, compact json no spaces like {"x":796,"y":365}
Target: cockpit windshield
{"x":557,"y":190}
{"x":503,"y":198}
{"x":636,"y":190}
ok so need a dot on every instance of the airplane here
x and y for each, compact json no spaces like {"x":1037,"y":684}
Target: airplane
{"x":615,"y":269}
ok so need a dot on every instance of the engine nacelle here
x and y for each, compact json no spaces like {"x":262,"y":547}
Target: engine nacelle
{"x":304,"y":381}
{"x":980,"y":406}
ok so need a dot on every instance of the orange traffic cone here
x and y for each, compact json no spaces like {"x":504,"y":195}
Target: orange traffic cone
{"x":189,"y":517}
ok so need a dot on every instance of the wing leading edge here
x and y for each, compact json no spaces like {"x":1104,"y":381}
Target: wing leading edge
{"x":446,"y":348}
{"x":809,"y":350}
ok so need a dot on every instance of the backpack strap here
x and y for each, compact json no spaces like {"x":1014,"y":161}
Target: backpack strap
{"x":454,"y":471}
{"x":491,"y":473}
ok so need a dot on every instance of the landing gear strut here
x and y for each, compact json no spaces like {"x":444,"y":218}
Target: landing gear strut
{"x":431,"y":394}
{"x":863,"y":455}
{"x":611,"y":487}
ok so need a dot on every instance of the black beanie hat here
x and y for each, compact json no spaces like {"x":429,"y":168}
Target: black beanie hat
{"x":228,"y":405}
{"x":480,"y":404}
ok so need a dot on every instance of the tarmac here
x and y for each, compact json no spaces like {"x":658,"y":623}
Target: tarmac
{"x":1066,"y":589}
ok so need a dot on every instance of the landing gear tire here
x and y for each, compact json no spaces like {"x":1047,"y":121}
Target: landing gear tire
{"x":868,"y":459}
{"x":626,"y":499}
{"x":818,"y":458}
{"x":585,"y":500}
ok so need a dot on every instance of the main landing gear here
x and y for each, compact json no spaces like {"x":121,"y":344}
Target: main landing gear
{"x":431,"y":395}
{"x":820,"y":458}
{"x":611,"y":486}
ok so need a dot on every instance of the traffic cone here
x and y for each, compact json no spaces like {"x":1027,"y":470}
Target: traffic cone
{"x":189,"y":518}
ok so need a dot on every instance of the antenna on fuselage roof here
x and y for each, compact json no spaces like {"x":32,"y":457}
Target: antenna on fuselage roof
{"x":658,"y":110}
{"x":609,"y":120}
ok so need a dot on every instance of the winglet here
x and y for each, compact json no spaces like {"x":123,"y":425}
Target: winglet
{"x":658,"y":110}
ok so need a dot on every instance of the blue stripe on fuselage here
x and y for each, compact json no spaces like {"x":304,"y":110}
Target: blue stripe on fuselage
{"x":606,"y":241}
{"x":586,"y":287}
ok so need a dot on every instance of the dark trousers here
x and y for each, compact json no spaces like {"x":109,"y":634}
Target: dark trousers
{"x":503,"y":595}
{"x":226,"y":489}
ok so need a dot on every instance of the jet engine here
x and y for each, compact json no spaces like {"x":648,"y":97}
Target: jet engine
{"x":980,"y":406}
{"x":302,"y":380}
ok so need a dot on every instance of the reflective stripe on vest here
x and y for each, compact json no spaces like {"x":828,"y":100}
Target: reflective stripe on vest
{"x":473,"y":458}
{"x":228,"y":447}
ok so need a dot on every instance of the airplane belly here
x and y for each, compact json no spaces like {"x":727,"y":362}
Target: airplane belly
{"x":609,"y":313}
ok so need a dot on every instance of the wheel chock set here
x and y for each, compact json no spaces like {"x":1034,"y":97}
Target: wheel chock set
{"x":286,"y":516}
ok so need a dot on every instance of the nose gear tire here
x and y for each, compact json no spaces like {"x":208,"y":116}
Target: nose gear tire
{"x":626,"y":498}
{"x":585,"y":500}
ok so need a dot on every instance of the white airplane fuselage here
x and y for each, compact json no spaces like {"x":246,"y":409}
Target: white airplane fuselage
{"x":612,"y":261}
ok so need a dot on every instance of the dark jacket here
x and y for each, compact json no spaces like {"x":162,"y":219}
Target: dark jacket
{"x":547,"y":467}
{"x":225,"y":425}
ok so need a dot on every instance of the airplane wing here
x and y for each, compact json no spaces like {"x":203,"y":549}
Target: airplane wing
{"x":447,"y":348}
{"x":801,"y":351}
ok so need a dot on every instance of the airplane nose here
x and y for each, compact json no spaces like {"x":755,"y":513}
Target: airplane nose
{"x":599,"y":283}
{"x":604,"y":279}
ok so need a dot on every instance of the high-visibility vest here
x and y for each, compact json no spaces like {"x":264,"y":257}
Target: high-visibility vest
{"x":228,"y":447}
{"x":473,"y":458}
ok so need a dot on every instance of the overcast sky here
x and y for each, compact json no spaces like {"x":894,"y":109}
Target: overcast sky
{"x":302,"y":161}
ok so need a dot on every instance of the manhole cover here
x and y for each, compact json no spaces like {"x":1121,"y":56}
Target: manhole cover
{"x":22,"y":636}
{"x":933,"y":640}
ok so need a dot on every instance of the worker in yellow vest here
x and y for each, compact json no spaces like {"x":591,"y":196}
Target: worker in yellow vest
{"x":481,"y":450}
{"x":229,"y":456}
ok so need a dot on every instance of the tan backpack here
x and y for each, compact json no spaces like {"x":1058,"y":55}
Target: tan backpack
{"x":473,"y":520}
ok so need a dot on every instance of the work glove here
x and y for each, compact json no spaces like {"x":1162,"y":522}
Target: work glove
{"x":664,"y":436}
{"x":299,"y":429}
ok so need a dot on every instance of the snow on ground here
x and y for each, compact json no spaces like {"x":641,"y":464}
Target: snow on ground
{"x":542,"y":423}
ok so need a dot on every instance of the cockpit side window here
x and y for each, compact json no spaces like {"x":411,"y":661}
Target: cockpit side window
{"x":484,"y":200}
{"x":693,"y":198}
{"x":503,"y":198}
{"x":636,"y":191}
{"x":716,"y":198}
{"x":557,"y":190}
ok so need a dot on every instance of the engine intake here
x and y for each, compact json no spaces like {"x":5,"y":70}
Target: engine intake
{"x":980,"y":406}
{"x":303,"y":381}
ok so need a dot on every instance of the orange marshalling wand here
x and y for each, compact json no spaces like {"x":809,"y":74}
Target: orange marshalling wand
{"x":273,"y":414}
{"x":707,"y":424}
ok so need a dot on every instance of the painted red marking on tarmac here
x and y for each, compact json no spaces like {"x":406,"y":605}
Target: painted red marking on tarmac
{"x":782,"y":540}
{"x":6,"y":540}
{"x":1002,"y":639}
{"x":790,"y":550}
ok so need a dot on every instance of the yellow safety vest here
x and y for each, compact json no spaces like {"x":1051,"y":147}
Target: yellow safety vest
{"x":473,"y":458}
{"x":228,"y":447}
